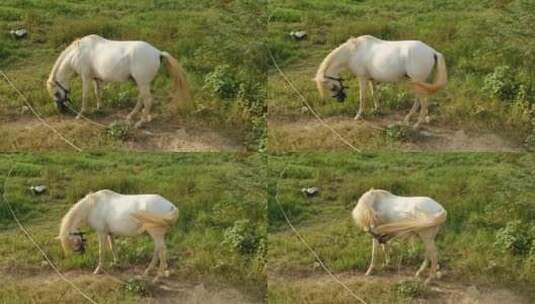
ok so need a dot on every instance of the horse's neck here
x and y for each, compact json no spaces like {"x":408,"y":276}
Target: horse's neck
{"x":77,"y":214}
{"x":63,"y":69}
{"x":336,"y":61}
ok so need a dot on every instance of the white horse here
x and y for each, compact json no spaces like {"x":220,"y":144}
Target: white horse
{"x":375,"y":60}
{"x":100,"y":60}
{"x":385,"y":216}
{"x":113,"y":214}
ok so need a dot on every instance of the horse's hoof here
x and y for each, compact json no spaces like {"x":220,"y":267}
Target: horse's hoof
{"x":78,"y":116}
{"x":138,"y":124}
{"x":416,"y":126}
{"x":368,"y":273}
{"x":438,"y":274}
{"x":97,"y":271}
{"x":358,"y":117}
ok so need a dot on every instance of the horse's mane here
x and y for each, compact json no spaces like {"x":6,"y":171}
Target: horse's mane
{"x":327,"y":62}
{"x":59,"y":61}
{"x":73,"y":217}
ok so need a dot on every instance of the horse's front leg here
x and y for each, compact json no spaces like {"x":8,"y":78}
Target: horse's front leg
{"x":96,"y":86}
{"x":375,"y":99}
{"x":362,"y":95}
{"x":375,"y":244}
{"x":112,"y":248}
{"x":101,"y":244}
{"x":85,"y":93}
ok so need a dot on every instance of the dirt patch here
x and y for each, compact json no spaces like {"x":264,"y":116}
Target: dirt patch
{"x":311,"y":134}
{"x":440,"y":291}
{"x":28,"y":133}
{"x":167,"y":291}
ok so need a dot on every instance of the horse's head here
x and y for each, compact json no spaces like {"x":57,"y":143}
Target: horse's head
{"x":60,"y":94}
{"x":75,"y":241}
{"x":335,"y":86}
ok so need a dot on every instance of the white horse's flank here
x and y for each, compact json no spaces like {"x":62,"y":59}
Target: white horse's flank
{"x":113,"y":214}
{"x":386,"y":216}
{"x":374,"y":60}
{"x":100,"y":60}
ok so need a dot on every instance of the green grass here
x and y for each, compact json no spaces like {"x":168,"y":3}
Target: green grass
{"x":202,"y":36}
{"x":212,"y":191}
{"x":482,"y":193}
{"x":473,"y":99}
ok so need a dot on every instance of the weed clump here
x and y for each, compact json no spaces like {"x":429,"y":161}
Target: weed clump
{"x":137,"y":287}
{"x":243,"y":237}
{"x":397,"y":132}
{"x":119,"y":130}
{"x":516,"y":237}
{"x":410,"y":289}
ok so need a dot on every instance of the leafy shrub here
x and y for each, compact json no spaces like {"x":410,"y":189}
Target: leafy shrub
{"x":501,"y":84}
{"x":242,"y":237}
{"x":137,"y":287}
{"x":516,"y":237}
{"x":410,"y":289}
{"x":396,"y":132}
{"x":118,"y":130}
{"x":222,"y":82}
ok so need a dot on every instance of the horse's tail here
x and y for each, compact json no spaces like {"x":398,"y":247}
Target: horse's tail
{"x":440,"y":81}
{"x":364,"y":215}
{"x":415,"y":224}
{"x":149,"y":220}
{"x":181,"y":90}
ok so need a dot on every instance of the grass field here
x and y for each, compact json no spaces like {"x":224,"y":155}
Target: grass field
{"x":220,"y":45}
{"x":489,"y":50}
{"x":217,"y":248}
{"x":486,"y":247}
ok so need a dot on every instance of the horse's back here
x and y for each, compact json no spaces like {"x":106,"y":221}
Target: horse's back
{"x":390,"y":61}
{"x":114,"y":211}
{"x":400,"y":207}
{"x":112,"y":60}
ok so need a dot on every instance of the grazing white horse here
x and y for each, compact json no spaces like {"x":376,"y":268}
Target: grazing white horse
{"x":98,"y":60}
{"x":374,"y":60}
{"x":385,"y":216}
{"x":113,"y":214}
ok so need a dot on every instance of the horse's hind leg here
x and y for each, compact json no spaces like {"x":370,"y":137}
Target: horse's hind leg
{"x":136,"y":109}
{"x":385,"y":254}
{"x":422,"y":267}
{"x":145,"y":94}
{"x":431,"y":252}
{"x":375,"y":244}
{"x":413,"y":110}
{"x":423,"y":112}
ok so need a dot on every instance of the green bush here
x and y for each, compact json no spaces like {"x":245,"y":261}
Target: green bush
{"x":222,"y":82}
{"x":242,"y":237}
{"x":516,"y":237}
{"x":410,"y":289}
{"x":501,"y":84}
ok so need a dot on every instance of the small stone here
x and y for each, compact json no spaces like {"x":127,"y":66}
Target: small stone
{"x":18,"y":34}
{"x":311,"y":192}
{"x":39,"y":189}
{"x":298,"y":35}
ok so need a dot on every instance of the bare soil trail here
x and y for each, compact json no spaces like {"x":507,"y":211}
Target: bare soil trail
{"x":28,"y":133}
{"x":369,"y":134}
{"x":442,"y":291}
{"x":166,"y":290}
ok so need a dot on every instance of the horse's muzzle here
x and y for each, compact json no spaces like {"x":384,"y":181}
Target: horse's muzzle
{"x":62,"y":106}
{"x":340,"y":96}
